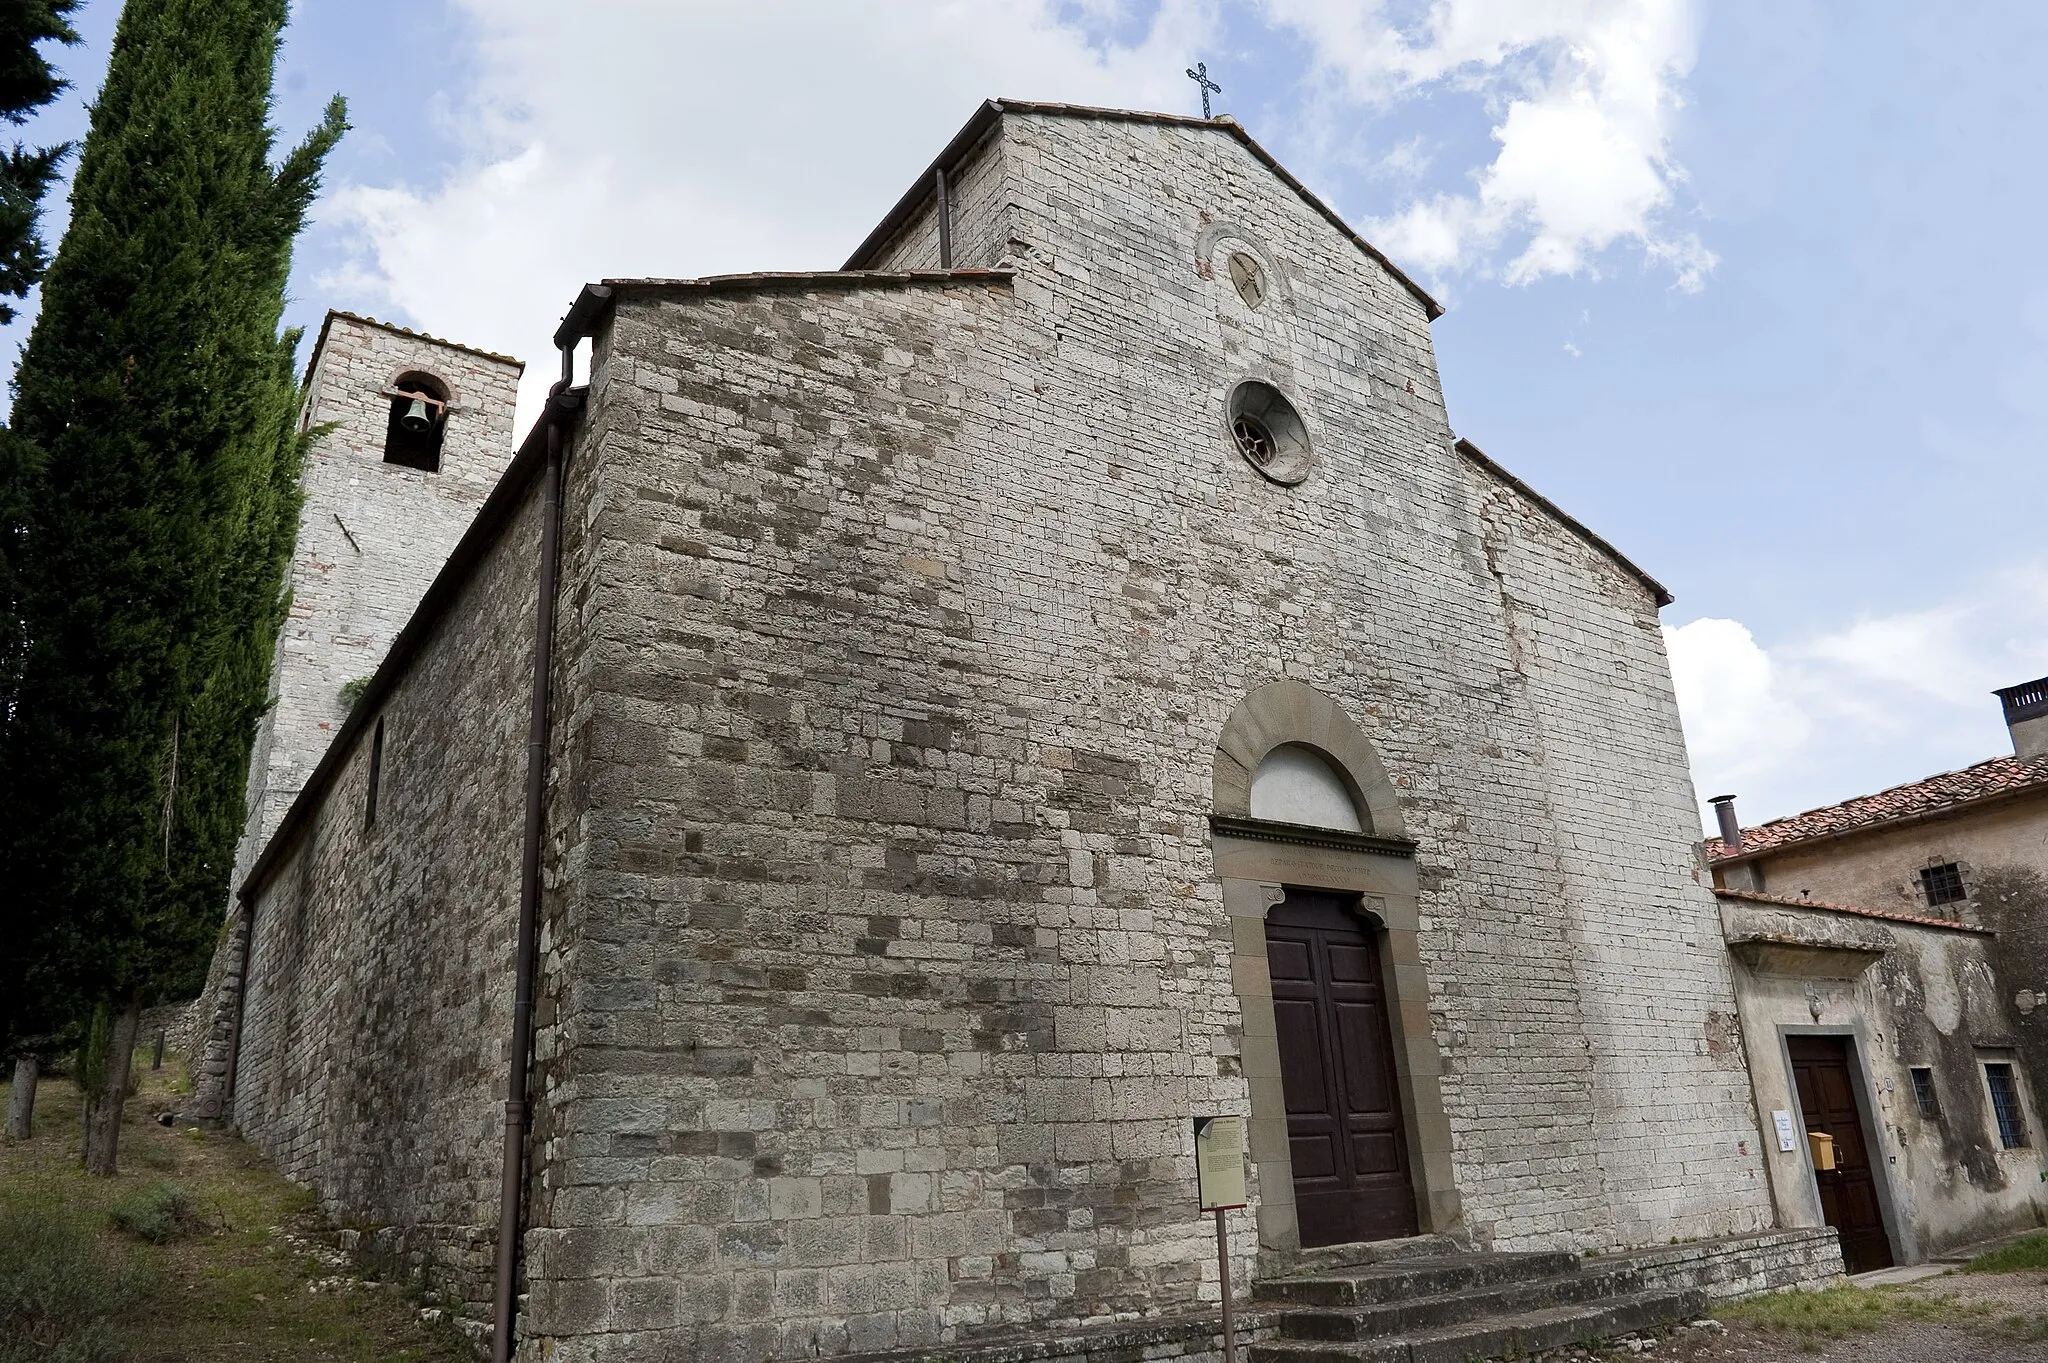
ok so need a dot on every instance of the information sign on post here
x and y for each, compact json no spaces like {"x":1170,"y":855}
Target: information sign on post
{"x":1219,"y":1162}
{"x":1219,"y":1183}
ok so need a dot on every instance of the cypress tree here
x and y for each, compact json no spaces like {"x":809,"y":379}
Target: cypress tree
{"x":27,"y":83}
{"x":153,"y":428}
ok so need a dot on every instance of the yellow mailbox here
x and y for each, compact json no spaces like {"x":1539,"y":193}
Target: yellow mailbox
{"x":1823,"y":1147}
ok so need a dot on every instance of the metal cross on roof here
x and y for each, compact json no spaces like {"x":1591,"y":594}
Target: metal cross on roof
{"x":1199,"y":74}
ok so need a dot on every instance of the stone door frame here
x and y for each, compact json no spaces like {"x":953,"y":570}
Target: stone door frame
{"x":1255,"y":862}
{"x":1904,"y":1242}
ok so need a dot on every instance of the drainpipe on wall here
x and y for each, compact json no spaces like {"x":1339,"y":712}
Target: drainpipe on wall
{"x":945,"y":211}
{"x":511,"y":1193}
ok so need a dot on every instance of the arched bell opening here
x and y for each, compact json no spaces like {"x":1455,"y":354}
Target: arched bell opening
{"x":418,"y":421}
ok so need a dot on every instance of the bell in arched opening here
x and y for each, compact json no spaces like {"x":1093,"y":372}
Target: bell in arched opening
{"x":419,"y":417}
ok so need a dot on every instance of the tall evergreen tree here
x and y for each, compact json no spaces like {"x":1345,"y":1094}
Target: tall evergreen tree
{"x":27,"y":83}
{"x":152,"y":427}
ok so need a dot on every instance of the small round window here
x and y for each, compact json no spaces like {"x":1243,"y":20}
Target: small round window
{"x":1250,"y":278}
{"x":1268,"y":432}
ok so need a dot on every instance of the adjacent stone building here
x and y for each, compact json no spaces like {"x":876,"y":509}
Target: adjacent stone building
{"x":1891,"y":953}
{"x":1052,"y":679}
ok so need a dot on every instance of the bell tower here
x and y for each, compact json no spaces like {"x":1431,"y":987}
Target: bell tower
{"x":421,"y":431}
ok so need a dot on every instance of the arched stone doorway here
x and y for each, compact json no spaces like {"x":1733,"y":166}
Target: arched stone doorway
{"x":1319,"y":882}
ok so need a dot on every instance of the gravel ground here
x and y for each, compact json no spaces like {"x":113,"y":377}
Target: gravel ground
{"x":1911,"y":1342}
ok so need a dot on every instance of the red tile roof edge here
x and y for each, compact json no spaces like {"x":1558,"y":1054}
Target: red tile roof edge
{"x":1779,"y":901}
{"x":1931,"y":796}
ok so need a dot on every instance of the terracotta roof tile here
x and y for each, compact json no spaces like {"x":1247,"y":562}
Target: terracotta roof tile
{"x":1949,"y":790}
{"x":382,"y":325}
{"x":1780,"y":902}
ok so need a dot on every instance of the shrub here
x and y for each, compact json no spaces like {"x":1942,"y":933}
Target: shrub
{"x":159,"y":1213}
{"x":351,"y":694}
{"x":60,"y":1289}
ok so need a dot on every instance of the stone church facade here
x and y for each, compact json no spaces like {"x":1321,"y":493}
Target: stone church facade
{"x":1054,"y":678}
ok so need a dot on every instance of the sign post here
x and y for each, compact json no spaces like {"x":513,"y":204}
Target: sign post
{"x":1219,"y":1181}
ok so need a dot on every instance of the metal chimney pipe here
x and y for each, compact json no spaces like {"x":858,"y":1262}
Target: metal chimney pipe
{"x":1731,"y":831}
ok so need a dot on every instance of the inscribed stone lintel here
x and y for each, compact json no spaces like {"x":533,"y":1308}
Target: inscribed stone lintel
{"x":1303,"y":835}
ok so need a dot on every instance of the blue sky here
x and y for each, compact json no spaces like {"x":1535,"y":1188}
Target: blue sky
{"x":1754,"y":290}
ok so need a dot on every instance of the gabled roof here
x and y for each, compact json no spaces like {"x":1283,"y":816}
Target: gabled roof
{"x":991,"y":113}
{"x":1565,"y":519}
{"x":1773,"y":901}
{"x":1933,"y":797}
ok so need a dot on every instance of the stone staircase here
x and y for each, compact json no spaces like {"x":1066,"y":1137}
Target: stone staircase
{"x":1454,"y":1307}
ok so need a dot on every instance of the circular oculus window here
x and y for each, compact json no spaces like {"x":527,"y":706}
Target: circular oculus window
{"x":1250,"y":278}
{"x":1268,"y":432}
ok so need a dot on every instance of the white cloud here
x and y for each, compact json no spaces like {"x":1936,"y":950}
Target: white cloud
{"x":1585,"y":92}
{"x":1738,"y":719}
{"x":687,"y":138}
{"x":1854,"y":709}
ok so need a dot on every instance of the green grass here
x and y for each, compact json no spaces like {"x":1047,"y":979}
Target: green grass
{"x":2028,"y":1252}
{"x":1836,"y":1312}
{"x":196,"y":1273}
{"x":61,"y":1290}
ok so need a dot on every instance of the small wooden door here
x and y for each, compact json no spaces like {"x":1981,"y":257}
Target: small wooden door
{"x":1344,"y":1125}
{"x":1848,"y":1192}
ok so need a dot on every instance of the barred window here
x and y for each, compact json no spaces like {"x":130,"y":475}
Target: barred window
{"x":1923,"y":1090}
{"x":1942,"y":884}
{"x":2005,"y":1105}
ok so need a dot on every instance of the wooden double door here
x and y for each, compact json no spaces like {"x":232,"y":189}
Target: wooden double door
{"x":1344,"y":1122}
{"x":1848,"y":1192}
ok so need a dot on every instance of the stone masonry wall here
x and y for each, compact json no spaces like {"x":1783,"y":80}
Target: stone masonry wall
{"x":918,"y":611}
{"x":981,"y":220}
{"x":371,"y":1064}
{"x":1678,"y":1135}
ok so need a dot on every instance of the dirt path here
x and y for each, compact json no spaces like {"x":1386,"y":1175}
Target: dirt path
{"x":243,"y":1285}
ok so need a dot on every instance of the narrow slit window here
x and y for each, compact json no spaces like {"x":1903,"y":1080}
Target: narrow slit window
{"x":376,"y":774}
{"x":2005,"y":1105}
{"x":1942,"y":884}
{"x":1923,"y":1091}
{"x":419,"y":417}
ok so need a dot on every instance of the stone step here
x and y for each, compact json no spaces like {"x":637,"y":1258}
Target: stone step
{"x":1503,"y":1336}
{"x":1323,"y":1258}
{"x":1400,"y":1280}
{"x":1401,"y":1316}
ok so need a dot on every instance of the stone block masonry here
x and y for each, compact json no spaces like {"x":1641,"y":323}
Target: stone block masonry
{"x":886,"y":955}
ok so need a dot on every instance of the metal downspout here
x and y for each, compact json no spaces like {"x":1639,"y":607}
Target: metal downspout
{"x":511,"y":1192}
